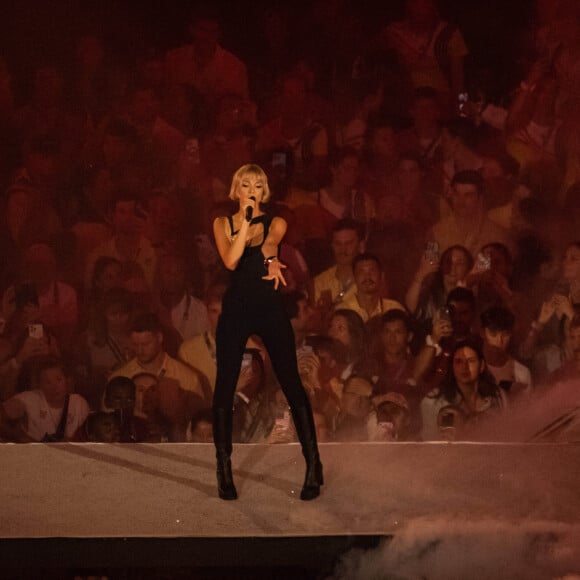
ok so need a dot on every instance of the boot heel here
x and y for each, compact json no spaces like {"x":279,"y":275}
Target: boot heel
{"x":226,"y":488}
{"x":312,"y":482}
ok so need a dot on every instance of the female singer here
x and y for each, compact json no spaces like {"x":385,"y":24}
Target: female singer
{"x":248,"y":244}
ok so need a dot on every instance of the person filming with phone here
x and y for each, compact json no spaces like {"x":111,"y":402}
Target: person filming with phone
{"x":452,"y":323}
{"x":468,"y":387}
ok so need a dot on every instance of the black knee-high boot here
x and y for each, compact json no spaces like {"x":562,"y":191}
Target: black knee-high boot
{"x":304,"y":423}
{"x":222,"y":436}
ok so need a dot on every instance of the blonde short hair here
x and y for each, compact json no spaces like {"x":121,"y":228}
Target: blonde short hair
{"x":251,"y":169}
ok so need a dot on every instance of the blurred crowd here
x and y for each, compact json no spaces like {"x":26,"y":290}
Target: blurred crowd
{"x":433,"y":254}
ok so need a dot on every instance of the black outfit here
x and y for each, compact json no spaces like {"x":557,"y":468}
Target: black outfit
{"x":252,"y":306}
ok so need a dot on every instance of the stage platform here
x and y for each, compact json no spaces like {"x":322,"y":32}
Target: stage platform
{"x":96,"y":504}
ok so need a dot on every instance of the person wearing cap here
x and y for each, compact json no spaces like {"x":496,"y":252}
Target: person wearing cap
{"x":393,"y":416}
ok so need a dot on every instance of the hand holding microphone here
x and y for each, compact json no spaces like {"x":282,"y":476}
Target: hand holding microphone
{"x":250,"y":209}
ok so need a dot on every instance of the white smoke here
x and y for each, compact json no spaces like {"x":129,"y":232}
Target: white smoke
{"x":460,"y":550}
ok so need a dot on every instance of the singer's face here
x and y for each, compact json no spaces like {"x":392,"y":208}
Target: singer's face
{"x":250,"y":186}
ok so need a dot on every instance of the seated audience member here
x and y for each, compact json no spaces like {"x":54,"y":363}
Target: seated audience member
{"x":452,"y":323}
{"x":107,"y":275}
{"x":468,"y":224}
{"x":113,"y":160}
{"x":202,"y":427}
{"x":391,"y":352}
{"x":352,"y":421}
{"x":120,"y":397}
{"x":102,"y":427}
{"x":380,"y":156}
{"x":348,"y":328}
{"x":467,"y":386}
{"x":490,"y":279}
{"x":300,"y":314}
{"x":435,"y":278}
{"x":497,"y":325}
{"x":395,"y":363}
{"x":551,"y":355}
{"x":25,"y":339}
{"x":431,"y":50}
{"x":510,"y":216}
{"x":26,"y":216}
{"x":127,"y":244}
{"x":406,"y":202}
{"x":230,"y":143}
{"x":459,"y":148}
{"x":165,"y":407}
{"x":367,"y":98}
{"x":166,"y":228}
{"x":339,"y":199}
{"x":47,"y":412}
{"x":368,"y":300}
{"x":392,"y":417}
{"x":204,"y":64}
{"x":108,"y":344}
{"x":143,"y":382}
{"x":323,"y":367}
{"x":299,"y":128}
{"x":424,"y":136}
{"x":332,"y":286}
{"x":187,"y":314}
{"x":57,"y":301}
{"x":532,"y":123}
{"x":150,"y":357}
{"x":160,"y":143}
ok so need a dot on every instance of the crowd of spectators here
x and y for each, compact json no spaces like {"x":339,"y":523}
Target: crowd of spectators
{"x":432,"y":258}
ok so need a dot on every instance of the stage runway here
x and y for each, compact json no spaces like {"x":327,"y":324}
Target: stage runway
{"x":150,"y":494}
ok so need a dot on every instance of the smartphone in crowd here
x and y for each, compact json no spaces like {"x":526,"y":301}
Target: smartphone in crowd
{"x":482,"y":262}
{"x":444,"y":313}
{"x":462,"y":100}
{"x":447,"y":420}
{"x":432,"y":251}
{"x":36,"y":331}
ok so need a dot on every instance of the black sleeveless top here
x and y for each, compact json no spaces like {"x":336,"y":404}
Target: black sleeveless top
{"x":247,"y":277}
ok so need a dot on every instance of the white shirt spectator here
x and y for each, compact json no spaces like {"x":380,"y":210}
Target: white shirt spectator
{"x":41,"y":419}
{"x":189,"y":317}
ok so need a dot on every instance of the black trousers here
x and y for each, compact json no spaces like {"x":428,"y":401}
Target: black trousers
{"x":265,"y":316}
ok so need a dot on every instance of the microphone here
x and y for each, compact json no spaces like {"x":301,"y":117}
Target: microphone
{"x":250,"y":210}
